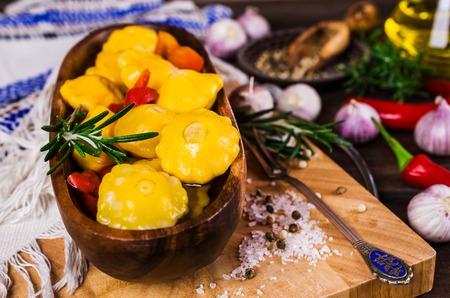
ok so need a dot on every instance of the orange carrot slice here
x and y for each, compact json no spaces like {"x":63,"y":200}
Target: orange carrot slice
{"x":185,"y":57}
{"x":165,"y":44}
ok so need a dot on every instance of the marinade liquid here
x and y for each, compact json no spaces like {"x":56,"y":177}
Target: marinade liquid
{"x":423,"y":26}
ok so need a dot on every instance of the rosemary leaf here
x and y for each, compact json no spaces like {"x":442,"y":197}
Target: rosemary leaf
{"x":284,"y":136}
{"x":86,"y":137}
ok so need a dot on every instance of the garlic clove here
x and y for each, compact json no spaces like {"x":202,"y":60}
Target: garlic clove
{"x":358,"y":126}
{"x":432,"y":132}
{"x":428,"y":213}
{"x":302,"y":100}
{"x":255,"y":25}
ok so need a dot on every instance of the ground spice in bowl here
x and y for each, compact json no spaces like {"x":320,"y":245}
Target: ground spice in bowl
{"x":266,"y":60}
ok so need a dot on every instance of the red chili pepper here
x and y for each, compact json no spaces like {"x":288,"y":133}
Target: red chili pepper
{"x":87,"y":184}
{"x":115,"y":107}
{"x":419,"y":170}
{"x":89,"y":202}
{"x":438,"y":87}
{"x":141,"y":94}
{"x":398,"y":115}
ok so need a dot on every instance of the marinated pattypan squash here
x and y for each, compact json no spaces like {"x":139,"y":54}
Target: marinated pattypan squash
{"x":107,"y":65}
{"x":153,"y":162}
{"x":144,"y":118}
{"x":134,"y":61}
{"x":92,"y":162}
{"x":187,"y":90}
{"x":137,"y":197}
{"x":198,"y":199}
{"x":198,"y":146}
{"x":130,"y":37}
{"x":88,"y":91}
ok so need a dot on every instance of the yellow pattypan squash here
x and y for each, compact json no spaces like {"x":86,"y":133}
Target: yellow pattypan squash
{"x":130,"y":37}
{"x":92,"y":162}
{"x":88,"y":91}
{"x":137,"y":197}
{"x":107,"y":65}
{"x":198,"y":146}
{"x":198,"y":199}
{"x":144,"y":118}
{"x":187,"y":90}
{"x":153,"y":162}
{"x":133,"y":61}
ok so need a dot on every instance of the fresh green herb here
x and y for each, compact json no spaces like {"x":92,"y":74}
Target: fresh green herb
{"x":86,"y":138}
{"x":285,"y":136}
{"x":386,"y":67}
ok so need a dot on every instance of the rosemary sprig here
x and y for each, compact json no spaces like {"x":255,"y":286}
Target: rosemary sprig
{"x":86,"y":138}
{"x":284,"y":136}
{"x":386,"y":67}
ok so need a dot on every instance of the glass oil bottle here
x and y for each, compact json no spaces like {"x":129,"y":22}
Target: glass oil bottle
{"x":423,"y":26}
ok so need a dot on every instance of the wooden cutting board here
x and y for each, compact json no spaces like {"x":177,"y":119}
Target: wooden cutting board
{"x":340,"y":275}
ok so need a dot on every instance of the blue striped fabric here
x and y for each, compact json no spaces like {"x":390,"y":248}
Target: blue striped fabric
{"x":12,"y":120}
{"x":20,"y":89}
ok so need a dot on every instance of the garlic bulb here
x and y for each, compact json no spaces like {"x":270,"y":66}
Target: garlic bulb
{"x":254,"y":95}
{"x":358,"y":126}
{"x":302,"y":100}
{"x":255,"y":25}
{"x":224,"y":38}
{"x":432,"y":132}
{"x":428,"y":213}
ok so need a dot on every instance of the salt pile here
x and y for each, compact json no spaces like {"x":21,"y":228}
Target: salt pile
{"x":292,"y":236}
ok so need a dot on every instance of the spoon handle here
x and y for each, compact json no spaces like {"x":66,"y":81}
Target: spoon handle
{"x":383,"y":265}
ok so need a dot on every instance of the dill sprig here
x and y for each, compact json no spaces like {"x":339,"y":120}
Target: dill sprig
{"x":86,"y":138}
{"x":285,"y":136}
{"x":385,"y":67}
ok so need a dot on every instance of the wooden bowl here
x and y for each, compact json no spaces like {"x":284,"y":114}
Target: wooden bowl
{"x":148,"y":255}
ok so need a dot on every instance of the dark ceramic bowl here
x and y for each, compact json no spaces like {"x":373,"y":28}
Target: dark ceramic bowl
{"x":148,"y":255}
{"x":248,"y":56}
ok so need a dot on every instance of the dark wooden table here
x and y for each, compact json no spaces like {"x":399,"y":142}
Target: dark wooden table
{"x":283,"y":14}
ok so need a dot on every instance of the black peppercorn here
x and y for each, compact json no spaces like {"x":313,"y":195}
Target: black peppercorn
{"x":281,"y":244}
{"x":270,"y":236}
{"x":269,"y":208}
{"x":293,"y":228}
{"x":249,"y":273}
{"x":296,"y":215}
{"x":270,"y":219}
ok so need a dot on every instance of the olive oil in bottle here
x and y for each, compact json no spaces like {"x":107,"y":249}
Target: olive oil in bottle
{"x":423,"y":26}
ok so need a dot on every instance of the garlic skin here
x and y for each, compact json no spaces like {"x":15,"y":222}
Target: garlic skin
{"x":302,"y":100}
{"x":428,"y":213}
{"x":255,"y":25}
{"x":224,"y":38}
{"x":432,"y":132}
{"x":358,"y":126}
